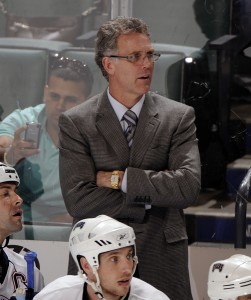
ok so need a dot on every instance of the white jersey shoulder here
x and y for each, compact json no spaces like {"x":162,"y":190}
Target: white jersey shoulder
{"x":17,"y":275}
{"x":71,"y":287}
{"x":63,"y":288}
{"x":144,"y":291}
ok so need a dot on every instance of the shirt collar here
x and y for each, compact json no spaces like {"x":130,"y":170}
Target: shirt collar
{"x":42,"y":117}
{"x":120,"y":109}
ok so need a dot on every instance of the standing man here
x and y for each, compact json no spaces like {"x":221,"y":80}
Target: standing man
{"x":69,"y":84}
{"x":104,"y":251}
{"x":13,"y":267}
{"x":133,"y":155}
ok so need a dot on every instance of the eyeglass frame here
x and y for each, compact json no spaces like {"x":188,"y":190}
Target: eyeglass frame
{"x":151,"y":56}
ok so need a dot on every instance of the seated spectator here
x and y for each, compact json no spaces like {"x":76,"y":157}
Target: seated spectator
{"x":104,"y":250}
{"x":13,"y":267}
{"x":69,"y":84}
{"x":230,"y":279}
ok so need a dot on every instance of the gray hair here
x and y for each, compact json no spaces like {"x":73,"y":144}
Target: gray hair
{"x":109,"y":32}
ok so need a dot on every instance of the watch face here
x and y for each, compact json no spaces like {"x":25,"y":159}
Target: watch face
{"x":115,"y":179}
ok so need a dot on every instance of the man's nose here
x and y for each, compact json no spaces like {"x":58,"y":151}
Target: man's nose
{"x":145,"y":60}
{"x":61,"y":103}
{"x":19,"y":200}
{"x":127,"y":266}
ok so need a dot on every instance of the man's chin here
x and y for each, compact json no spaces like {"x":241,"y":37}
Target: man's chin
{"x":17,"y":228}
{"x":120,"y":292}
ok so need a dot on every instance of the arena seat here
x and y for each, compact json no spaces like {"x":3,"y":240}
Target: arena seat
{"x":60,"y":20}
{"x":168,"y":75}
{"x":22,"y":77}
{"x":19,"y":42}
{"x":167,"y":48}
{"x":44,"y":231}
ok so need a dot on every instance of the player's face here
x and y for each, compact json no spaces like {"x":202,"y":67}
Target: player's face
{"x":10,"y":211}
{"x":115,"y":272}
{"x":61,"y":95}
{"x":130,"y":80}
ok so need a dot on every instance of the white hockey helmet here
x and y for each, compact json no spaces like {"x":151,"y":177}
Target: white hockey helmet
{"x":93,"y":236}
{"x":8,"y":174}
{"x":230,"y":278}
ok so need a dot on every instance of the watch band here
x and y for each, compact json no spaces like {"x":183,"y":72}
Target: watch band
{"x":115,"y":180}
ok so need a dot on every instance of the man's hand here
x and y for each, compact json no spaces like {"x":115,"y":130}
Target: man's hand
{"x":103,"y":179}
{"x":20,"y":148}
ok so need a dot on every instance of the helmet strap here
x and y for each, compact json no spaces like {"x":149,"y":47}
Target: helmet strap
{"x":6,"y":242}
{"x":96,"y":285}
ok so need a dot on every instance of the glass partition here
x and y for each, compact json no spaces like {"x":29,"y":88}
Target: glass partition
{"x":204,"y":63}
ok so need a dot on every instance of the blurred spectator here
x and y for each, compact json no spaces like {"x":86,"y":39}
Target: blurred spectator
{"x":69,"y":84}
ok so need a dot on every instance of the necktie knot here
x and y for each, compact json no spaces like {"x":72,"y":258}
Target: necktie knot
{"x":131,"y":119}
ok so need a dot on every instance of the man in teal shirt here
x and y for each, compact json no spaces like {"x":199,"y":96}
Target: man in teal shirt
{"x":69,"y":84}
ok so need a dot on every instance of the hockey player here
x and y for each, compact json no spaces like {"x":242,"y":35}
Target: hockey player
{"x":104,"y":250}
{"x":13,"y":267}
{"x":230,"y":279}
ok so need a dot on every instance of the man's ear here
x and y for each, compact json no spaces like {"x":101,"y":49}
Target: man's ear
{"x":108,"y":65}
{"x":86,"y":266}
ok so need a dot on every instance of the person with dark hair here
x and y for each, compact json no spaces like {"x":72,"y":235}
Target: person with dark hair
{"x":69,"y":84}
{"x":134,"y":156}
{"x":13,"y":266}
{"x":104,"y":250}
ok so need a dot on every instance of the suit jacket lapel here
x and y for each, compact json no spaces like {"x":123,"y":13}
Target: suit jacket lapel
{"x":109,"y":126}
{"x":145,"y":131}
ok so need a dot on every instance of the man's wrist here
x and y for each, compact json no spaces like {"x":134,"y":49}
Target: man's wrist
{"x":115,"y":180}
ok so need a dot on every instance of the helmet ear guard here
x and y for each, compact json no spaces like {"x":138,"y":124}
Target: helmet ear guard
{"x":230,"y":278}
{"x":8,"y":174}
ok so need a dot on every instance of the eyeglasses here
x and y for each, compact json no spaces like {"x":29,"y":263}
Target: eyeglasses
{"x":139,"y":58}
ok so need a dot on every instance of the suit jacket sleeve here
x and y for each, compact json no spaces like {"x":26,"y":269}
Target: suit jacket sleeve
{"x":175,"y":184}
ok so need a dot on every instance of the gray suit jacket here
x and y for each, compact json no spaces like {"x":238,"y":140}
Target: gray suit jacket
{"x":163,"y":169}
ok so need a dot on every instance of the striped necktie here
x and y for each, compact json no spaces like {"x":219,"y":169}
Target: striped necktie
{"x":131,"y":119}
